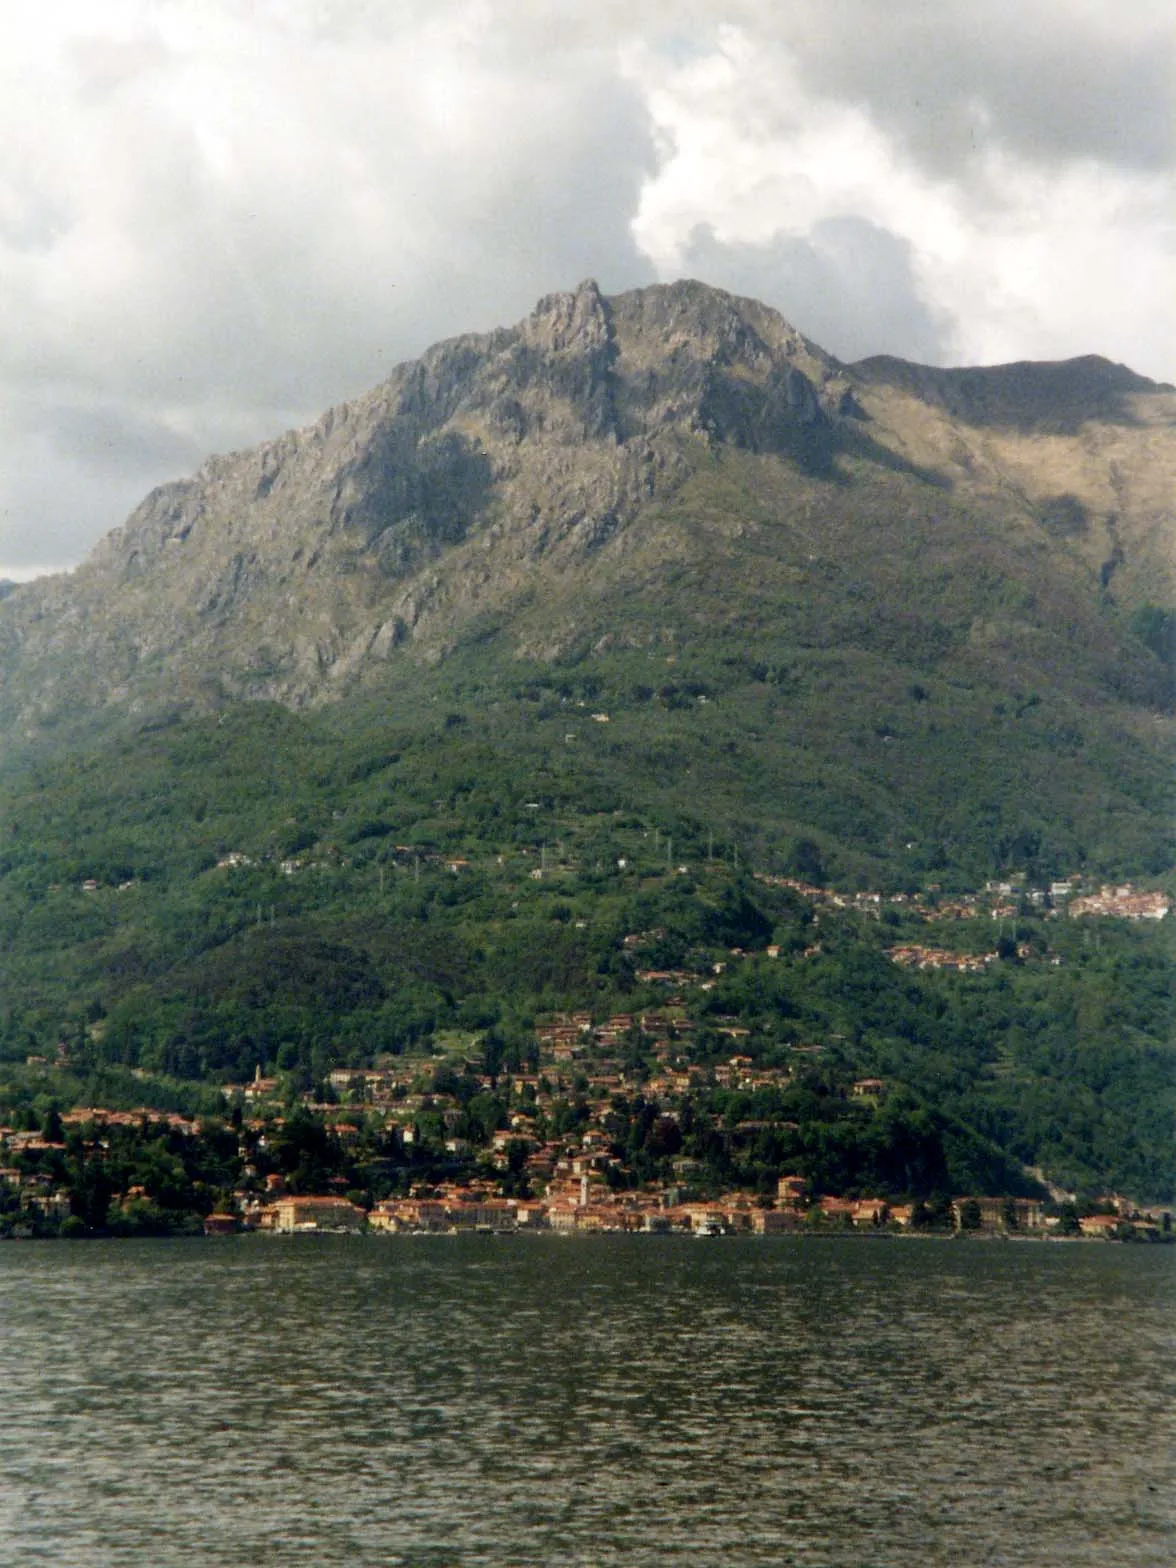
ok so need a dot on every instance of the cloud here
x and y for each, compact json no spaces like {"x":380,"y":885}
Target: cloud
{"x":231,"y":220}
{"x":217,"y":219}
{"x":1048,"y":81}
{"x":795,"y":166}
{"x":852,"y":282}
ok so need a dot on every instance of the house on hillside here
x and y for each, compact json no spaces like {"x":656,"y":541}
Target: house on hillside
{"x":868,"y":1089}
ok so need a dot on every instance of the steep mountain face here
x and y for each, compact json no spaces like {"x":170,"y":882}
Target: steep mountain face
{"x":285,"y":570}
{"x":547,"y":484}
{"x":1085,"y":448}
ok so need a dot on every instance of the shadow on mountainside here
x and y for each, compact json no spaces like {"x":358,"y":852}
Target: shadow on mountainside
{"x":1048,"y":397}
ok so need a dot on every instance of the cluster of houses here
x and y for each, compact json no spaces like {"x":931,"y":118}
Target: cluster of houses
{"x":661,"y":1033}
{"x":577,"y":1207}
{"x":916,"y":956}
{"x":36,"y":1190}
{"x":999,"y":900}
{"x":571,"y":1065}
{"x":1123,"y":903}
{"x":571,"y":1174}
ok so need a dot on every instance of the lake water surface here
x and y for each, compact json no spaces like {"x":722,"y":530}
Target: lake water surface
{"x":437,"y":1401}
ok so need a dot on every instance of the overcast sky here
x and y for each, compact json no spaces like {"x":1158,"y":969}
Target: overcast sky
{"x":218,"y":217}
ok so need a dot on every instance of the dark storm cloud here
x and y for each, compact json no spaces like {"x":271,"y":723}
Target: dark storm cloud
{"x":1051,"y":82}
{"x":107,"y":440}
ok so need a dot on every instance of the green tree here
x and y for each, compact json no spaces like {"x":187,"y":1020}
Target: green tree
{"x":970,"y":1216}
{"x":1068,"y":1220}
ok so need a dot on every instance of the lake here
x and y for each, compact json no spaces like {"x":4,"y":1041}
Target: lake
{"x":437,"y":1401}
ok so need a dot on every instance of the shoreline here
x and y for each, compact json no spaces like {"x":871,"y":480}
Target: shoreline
{"x":597,"y":1234}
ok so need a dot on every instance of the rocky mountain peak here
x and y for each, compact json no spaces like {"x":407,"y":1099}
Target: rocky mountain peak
{"x":578,"y":321}
{"x":493,"y":465}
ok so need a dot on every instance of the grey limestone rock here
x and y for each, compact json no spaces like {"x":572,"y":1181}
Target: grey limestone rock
{"x":485,"y":473}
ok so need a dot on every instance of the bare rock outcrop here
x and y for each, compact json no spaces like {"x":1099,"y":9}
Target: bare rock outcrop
{"x":498,"y":467}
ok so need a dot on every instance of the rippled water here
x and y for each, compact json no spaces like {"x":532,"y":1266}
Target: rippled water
{"x":436,"y":1401}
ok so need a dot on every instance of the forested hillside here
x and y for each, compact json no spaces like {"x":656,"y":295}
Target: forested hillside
{"x":268,"y":891}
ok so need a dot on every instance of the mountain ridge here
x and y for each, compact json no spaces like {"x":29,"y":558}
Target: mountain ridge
{"x":966,"y":627}
{"x":289,"y":569}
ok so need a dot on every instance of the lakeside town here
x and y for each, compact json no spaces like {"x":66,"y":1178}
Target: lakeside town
{"x":737,"y":1213}
{"x":672,"y":1117}
{"x":559,"y":1159}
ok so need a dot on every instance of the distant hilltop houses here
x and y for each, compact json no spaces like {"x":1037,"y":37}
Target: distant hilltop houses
{"x":999,"y":899}
{"x":1123,"y":903}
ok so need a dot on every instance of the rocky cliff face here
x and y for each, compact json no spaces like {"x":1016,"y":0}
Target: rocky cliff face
{"x":498,"y":471}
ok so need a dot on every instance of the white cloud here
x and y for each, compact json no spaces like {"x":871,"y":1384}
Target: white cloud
{"x":225,"y":221}
{"x":1067,"y":261}
{"x":991,"y":256}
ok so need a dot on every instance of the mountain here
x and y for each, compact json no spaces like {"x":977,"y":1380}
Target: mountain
{"x":538,"y":462}
{"x":618,"y":650}
{"x":475,"y":478}
{"x":937,"y":604}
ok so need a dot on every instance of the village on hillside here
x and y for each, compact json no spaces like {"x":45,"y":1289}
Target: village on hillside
{"x":640,"y":1121}
{"x":559,"y":1160}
